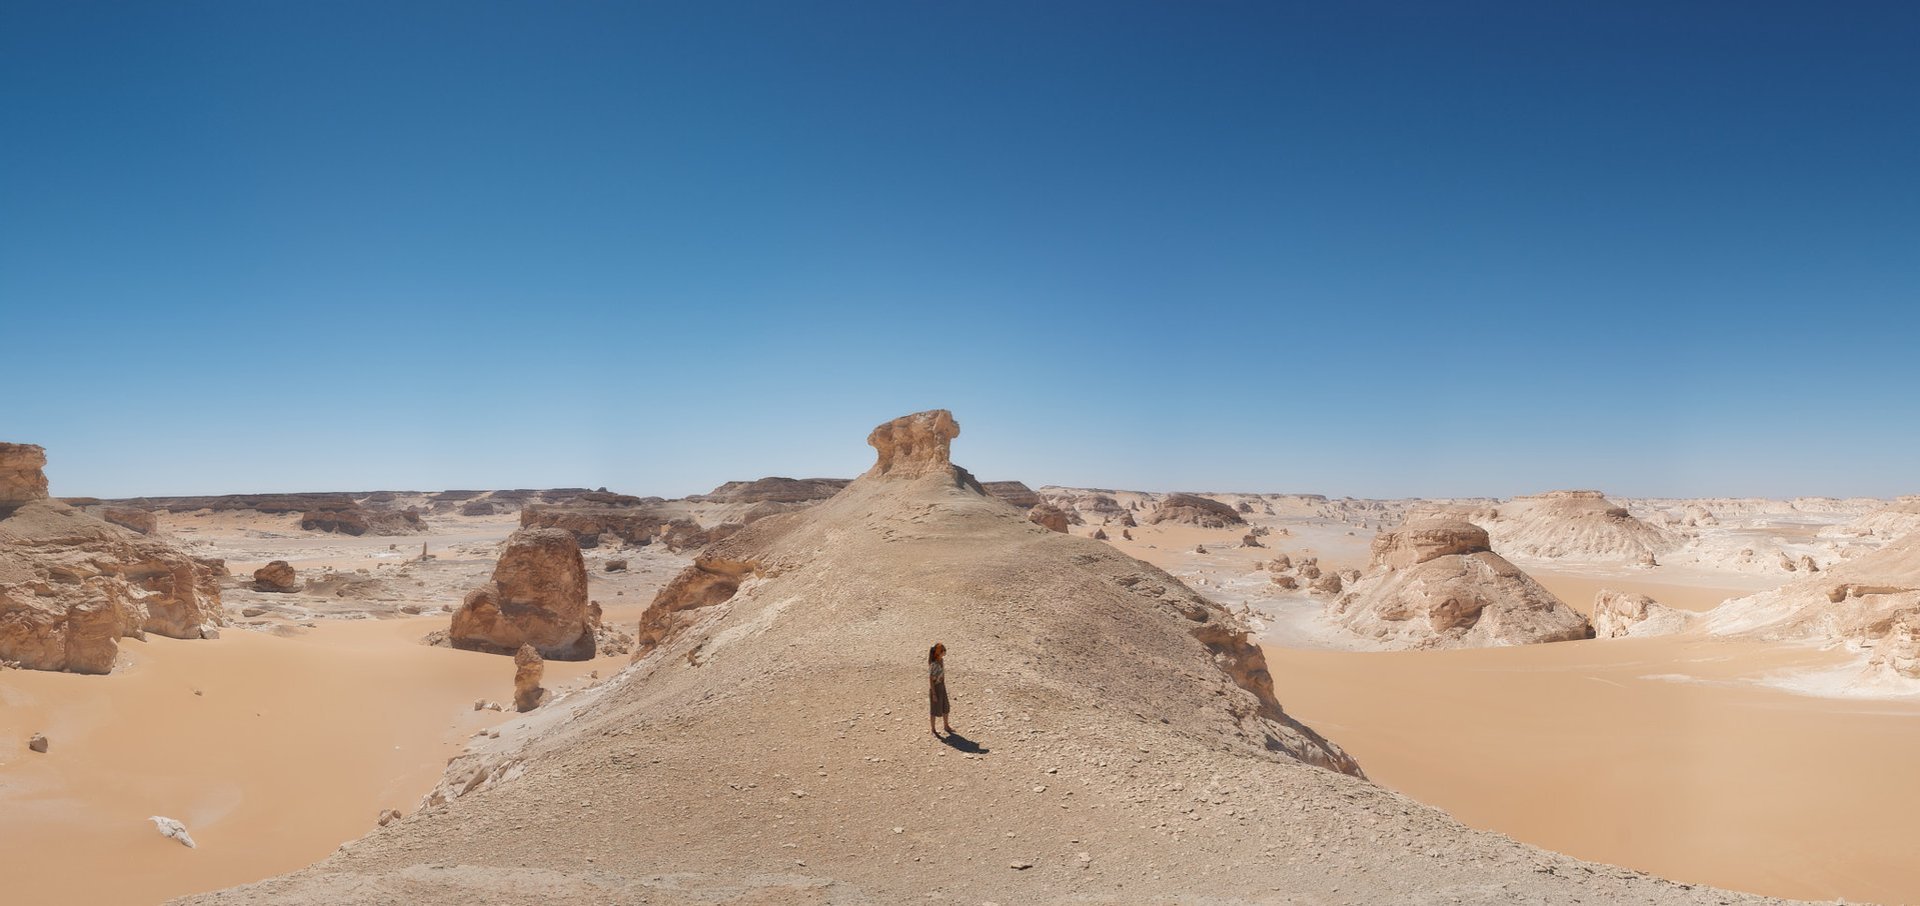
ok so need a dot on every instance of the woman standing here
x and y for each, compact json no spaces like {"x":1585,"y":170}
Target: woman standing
{"x":937,"y":688}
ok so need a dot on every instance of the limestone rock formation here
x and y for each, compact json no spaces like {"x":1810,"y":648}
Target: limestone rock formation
{"x":538,"y":597}
{"x":359,"y":520}
{"x":1099,"y":535}
{"x":23,"y":477}
{"x":1574,"y":525}
{"x":276,"y":576}
{"x":71,"y":585}
{"x":1440,"y":585}
{"x":131,"y":518}
{"x":1049,"y":517}
{"x":1192,"y":509}
{"x":1859,"y":603}
{"x":914,"y":444}
{"x":1898,"y":652}
{"x":528,"y":669}
{"x":1013,"y":492}
{"x":1617,"y":614}
{"x":172,"y":830}
{"x":37,"y":743}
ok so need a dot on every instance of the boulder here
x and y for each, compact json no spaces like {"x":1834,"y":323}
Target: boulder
{"x":616,"y":566}
{"x":1282,"y":580}
{"x":37,"y":743}
{"x":277,"y":576}
{"x":1049,"y":517}
{"x":1250,"y":540}
{"x":528,"y":668}
{"x":1192,"y":509}
{"x":538,"y":597}
{"x":1617,"y":614}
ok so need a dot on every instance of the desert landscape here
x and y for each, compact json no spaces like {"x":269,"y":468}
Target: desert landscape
{"x":457,"y":454}
{"x":1246,"y":696}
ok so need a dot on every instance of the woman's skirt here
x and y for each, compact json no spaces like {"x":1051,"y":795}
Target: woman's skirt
{"x":937,"y":695}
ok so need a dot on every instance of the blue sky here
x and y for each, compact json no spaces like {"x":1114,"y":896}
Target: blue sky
{"x":1351,"y":248}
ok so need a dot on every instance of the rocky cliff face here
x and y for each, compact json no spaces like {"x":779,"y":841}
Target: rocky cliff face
{"x":71,"y":585}
{"x":1440,"y":585}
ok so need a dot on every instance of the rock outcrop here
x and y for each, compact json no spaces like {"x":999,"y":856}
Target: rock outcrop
{"x":1049,"y":517}
{"x":1574,"y":525}
{"x":277,"y":576}
{"x":359,"y":520}
{"x":528,"y":669}
{"x":1618,"y":614}
{"x":1013,"y":492}
{"x":538,"y":597}
{"x":72,"y":586}
{"x":131,"y":518}
{"x":23,"y":477}
{"x":914,"y":444}
{"x":1192,"y":509}
{"x":1440,"y":585}
{"x":1860,"y":604}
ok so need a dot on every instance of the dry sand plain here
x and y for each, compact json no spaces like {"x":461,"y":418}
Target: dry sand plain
{"x":1668,"y":755}
{"x":278,"y":741}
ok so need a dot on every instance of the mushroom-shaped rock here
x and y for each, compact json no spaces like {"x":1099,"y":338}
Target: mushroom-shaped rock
{"x":914,"y":444}
{"x":528,"y":669}
{"x":1049,"y":517}
{"x":276,"y":576}
{"x":538,"y":597}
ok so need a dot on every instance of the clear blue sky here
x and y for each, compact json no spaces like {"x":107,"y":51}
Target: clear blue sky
{"x":1353,"y":248}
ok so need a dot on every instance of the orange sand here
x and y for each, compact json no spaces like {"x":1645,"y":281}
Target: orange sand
{"x":292,"y":748}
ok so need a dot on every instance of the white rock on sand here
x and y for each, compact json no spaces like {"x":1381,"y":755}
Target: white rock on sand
{"x":173,"y":830}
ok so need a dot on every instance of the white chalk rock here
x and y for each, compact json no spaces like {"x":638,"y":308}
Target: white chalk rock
{"x":174,"y":829}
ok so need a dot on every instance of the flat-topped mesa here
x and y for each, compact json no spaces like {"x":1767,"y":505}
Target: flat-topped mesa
{"x":23,"y":477}
{"x":912,"y":445}
{"x":1418,"y":542}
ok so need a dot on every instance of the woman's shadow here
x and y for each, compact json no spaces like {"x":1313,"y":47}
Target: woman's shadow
{"x":964,"y":744}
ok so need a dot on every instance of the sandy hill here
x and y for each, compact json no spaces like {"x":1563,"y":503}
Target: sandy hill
{"x":1122,"y":743}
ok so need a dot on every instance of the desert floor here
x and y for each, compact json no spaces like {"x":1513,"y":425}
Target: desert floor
{"x":259,"y":741}
{"x":1672,"y":755}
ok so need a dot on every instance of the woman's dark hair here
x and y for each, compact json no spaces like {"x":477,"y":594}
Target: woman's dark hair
{"x":933,"y":654}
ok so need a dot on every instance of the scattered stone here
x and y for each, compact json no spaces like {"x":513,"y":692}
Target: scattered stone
{"x":173,"y":830}
{"x":38,"y":743}
{"x":277,"y":576}
{"x":388,"y":816}
{"x":616,"y":566}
